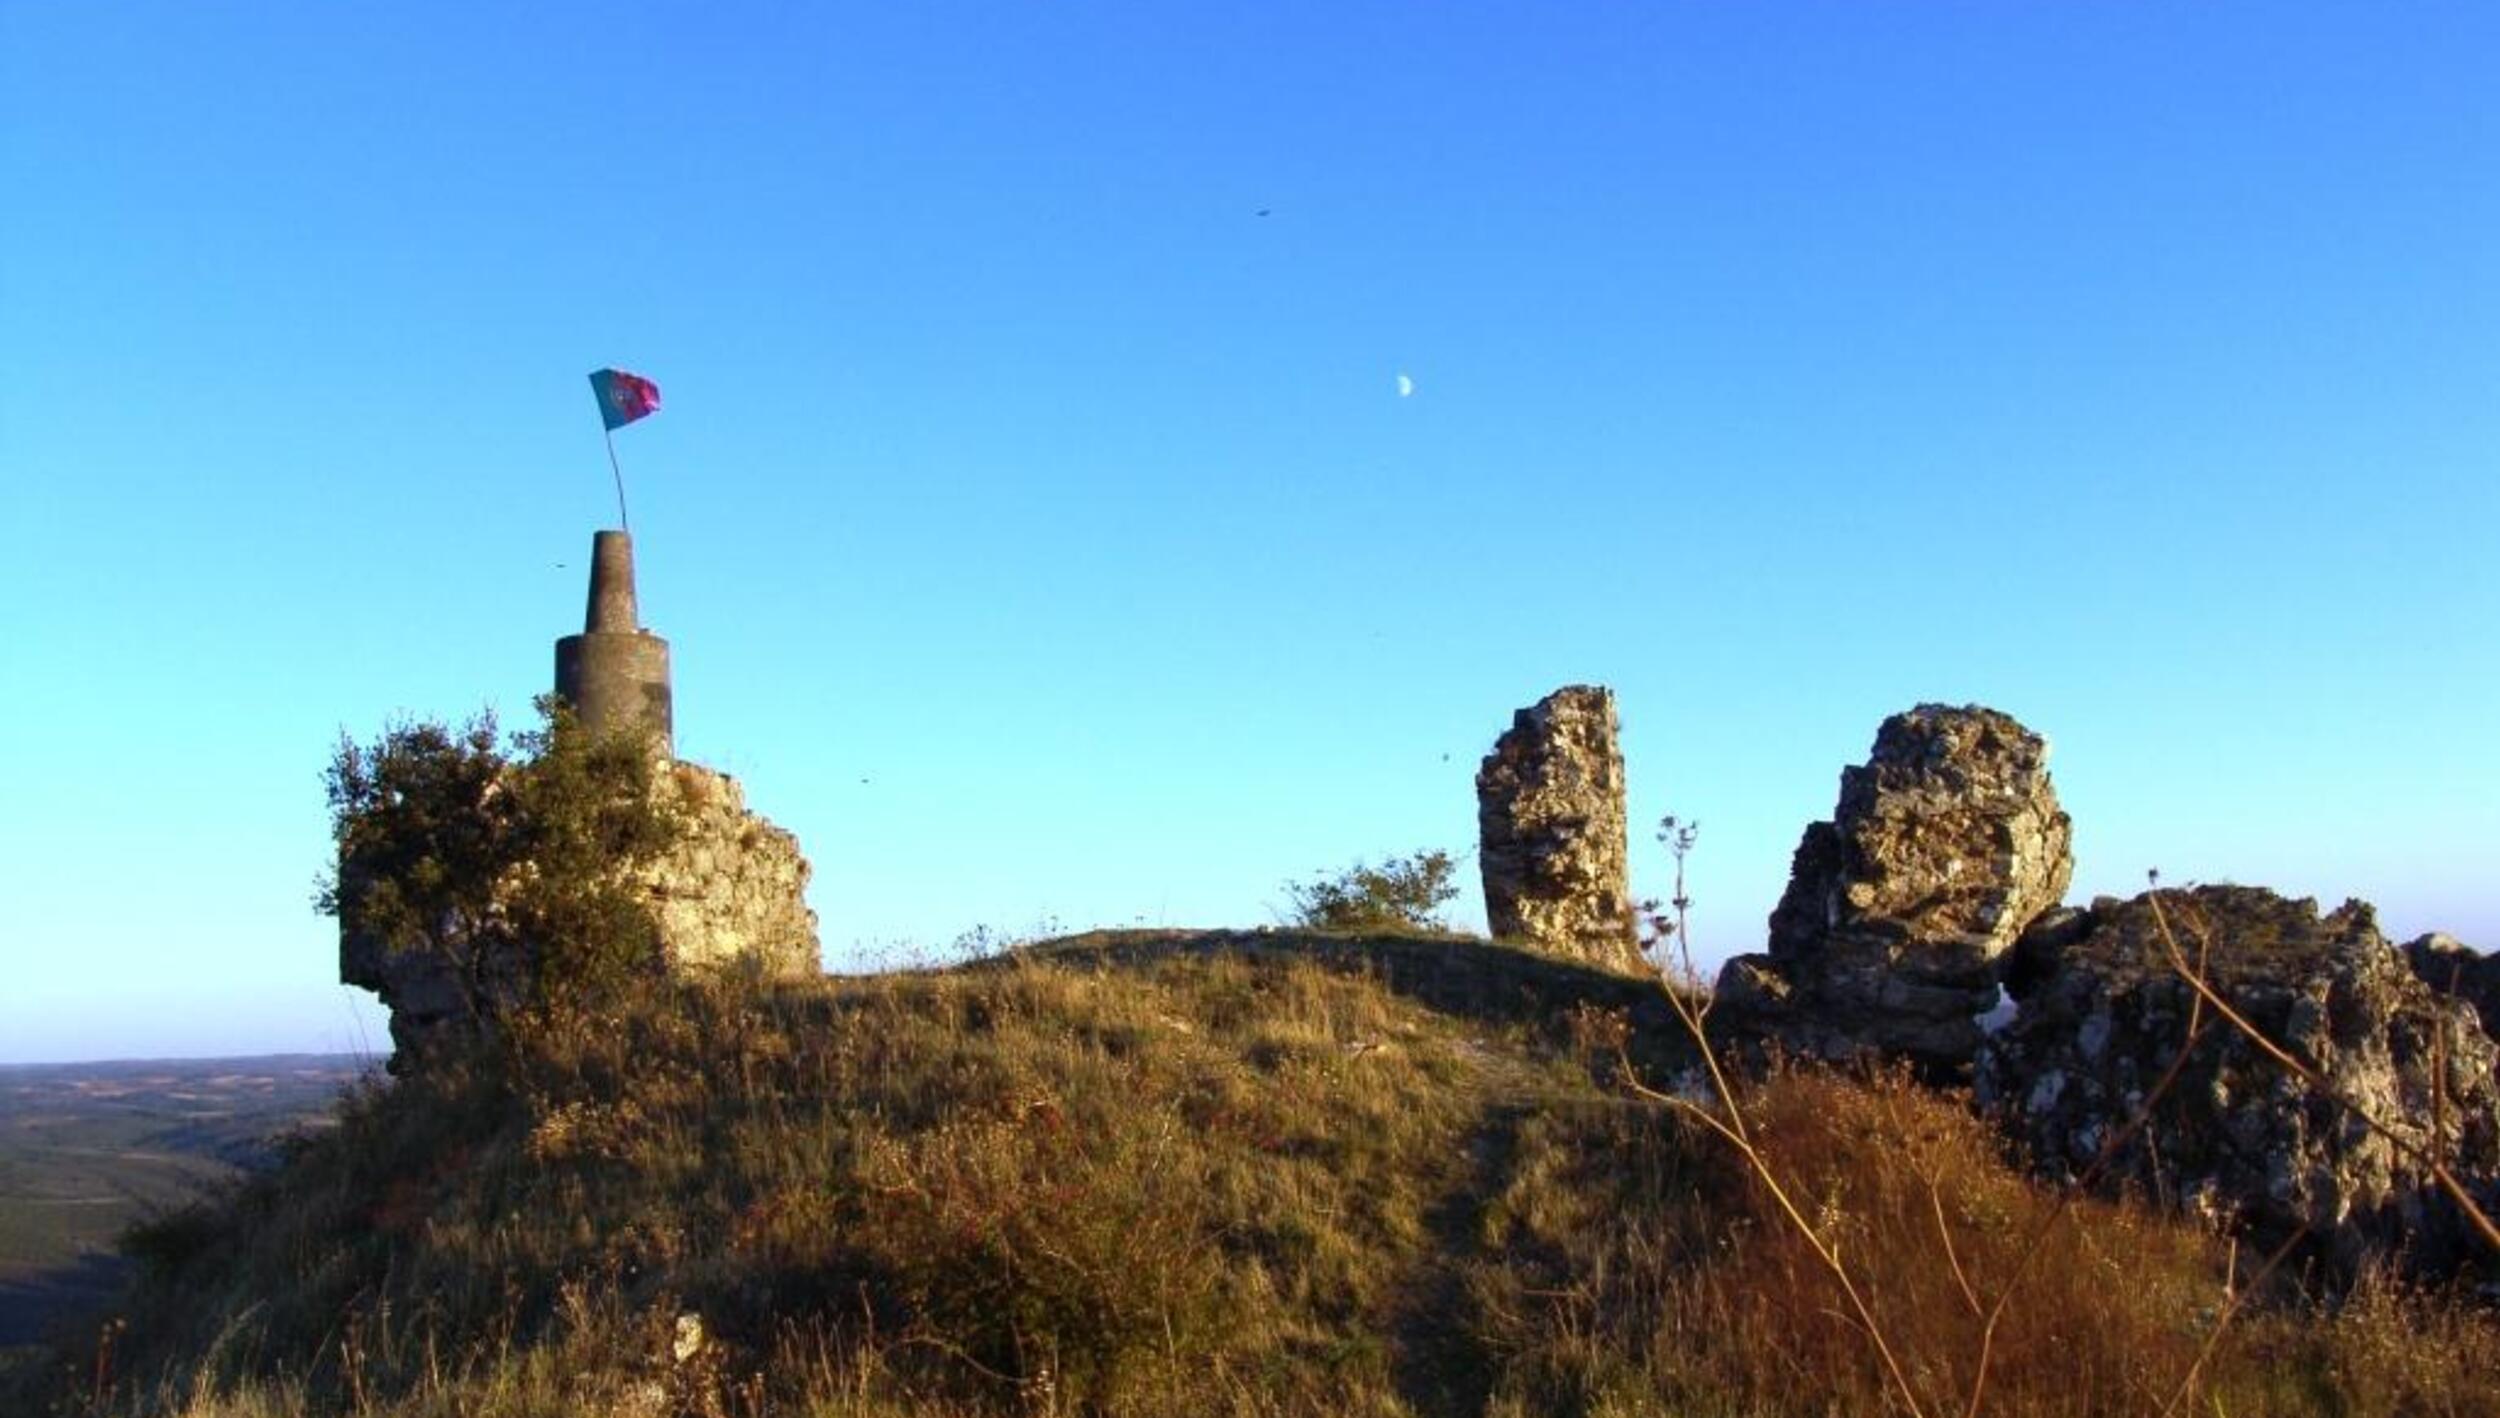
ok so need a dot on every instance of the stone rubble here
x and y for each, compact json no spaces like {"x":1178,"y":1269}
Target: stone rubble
{"x":2239,"y":1138}
{"x":2453,"y":968}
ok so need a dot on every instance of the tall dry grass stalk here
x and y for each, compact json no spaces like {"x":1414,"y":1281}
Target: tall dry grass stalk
{"x":1727,"y":1119}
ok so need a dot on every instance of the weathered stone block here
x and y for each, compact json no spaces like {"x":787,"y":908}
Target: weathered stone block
{"x":2104,"y":1016}
{"x":2452,"y":967}
{"x":1945,"y":844}
{"x":735,"y":887}
{"x":1550,"y":820}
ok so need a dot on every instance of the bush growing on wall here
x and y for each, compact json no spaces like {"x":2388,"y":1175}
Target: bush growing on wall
{"x":507,"y":864}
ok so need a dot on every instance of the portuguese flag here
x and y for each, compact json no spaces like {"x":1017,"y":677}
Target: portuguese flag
{"x":623,"y":397}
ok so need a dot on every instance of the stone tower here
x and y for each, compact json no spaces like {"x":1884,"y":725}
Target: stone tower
{"x":729,"y":892}
{"x":615,"y":673}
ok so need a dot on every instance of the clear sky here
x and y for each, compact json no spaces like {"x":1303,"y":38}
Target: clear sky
{"x":1034,"y":510}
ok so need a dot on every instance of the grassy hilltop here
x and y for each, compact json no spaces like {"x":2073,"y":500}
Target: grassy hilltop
{"x":1174,"y":1173}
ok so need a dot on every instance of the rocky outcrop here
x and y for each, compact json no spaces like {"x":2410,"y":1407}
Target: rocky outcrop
{"x":2104,"y":1015}
{"x":729,"y":894}
{"x":1944,"y":846}
{"x":2452,"y":967}
{"x":1550,"y":821}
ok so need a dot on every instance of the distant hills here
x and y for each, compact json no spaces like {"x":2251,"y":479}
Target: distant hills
{"x":88,"y":1148}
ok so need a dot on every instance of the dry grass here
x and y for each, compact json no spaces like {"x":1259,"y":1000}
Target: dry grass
{"x":1180,"y":1181}
{"x":2112,"y":1307}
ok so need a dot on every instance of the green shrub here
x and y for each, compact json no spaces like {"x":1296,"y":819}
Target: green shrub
{"x":501,"y":862}
{"x":1401,"y":894}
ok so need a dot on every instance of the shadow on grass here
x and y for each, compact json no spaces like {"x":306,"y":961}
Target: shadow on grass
{"x":38,"y":1304}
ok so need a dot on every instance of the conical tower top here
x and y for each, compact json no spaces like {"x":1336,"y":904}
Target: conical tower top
{"x":615,"y":673}
{"x":612,"y":606}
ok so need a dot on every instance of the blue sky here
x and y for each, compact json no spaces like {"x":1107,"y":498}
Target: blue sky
{"x":1039,"y":526}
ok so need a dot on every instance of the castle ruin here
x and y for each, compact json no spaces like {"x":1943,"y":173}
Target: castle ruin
{"x":730,"y":892}
{"x":1550,"y":831}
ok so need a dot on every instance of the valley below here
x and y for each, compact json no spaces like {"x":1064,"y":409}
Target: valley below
{"x":89,"y":1149}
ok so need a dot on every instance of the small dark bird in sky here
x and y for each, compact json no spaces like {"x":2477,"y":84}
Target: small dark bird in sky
{"x":1263,"y":211}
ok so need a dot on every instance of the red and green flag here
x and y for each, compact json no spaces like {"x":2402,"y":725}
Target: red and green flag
{"x":623,"y":397}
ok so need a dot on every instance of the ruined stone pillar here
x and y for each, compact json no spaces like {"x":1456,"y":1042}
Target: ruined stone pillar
{"x":1946,"y":844}
{"x":1549,"y":817}
{"x":615,"y":673}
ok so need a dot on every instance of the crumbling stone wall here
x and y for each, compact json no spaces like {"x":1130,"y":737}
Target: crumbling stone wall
{"x":2237,"y":1137}
{"x":735,"y":888}
{"x":1944,"y":845}
{"x":731,"y":893}
{"x":429,"y":1000}
{"x":1550,"y":822}
{"x":2451,"y":967}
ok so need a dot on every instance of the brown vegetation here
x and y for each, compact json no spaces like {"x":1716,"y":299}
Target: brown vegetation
{"x":1152,"y":1177}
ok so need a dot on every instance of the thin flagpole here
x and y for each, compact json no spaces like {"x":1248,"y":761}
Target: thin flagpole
{"x":610,"y":435}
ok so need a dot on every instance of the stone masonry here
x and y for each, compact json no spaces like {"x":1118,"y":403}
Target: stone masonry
{"x":615,"y":673}
{"x":729,"y":894}
{"x":1550,"y":820}
{"x":1945,"y":844}
{"x":2453,"y":968}
{"x":735,"y":888}
{"x":2236,"y":1136}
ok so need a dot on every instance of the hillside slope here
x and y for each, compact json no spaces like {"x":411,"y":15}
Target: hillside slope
{"x":1177,"y":1173}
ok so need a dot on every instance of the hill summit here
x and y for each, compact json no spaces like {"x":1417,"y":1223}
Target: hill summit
{"x":1195,"y":1172}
